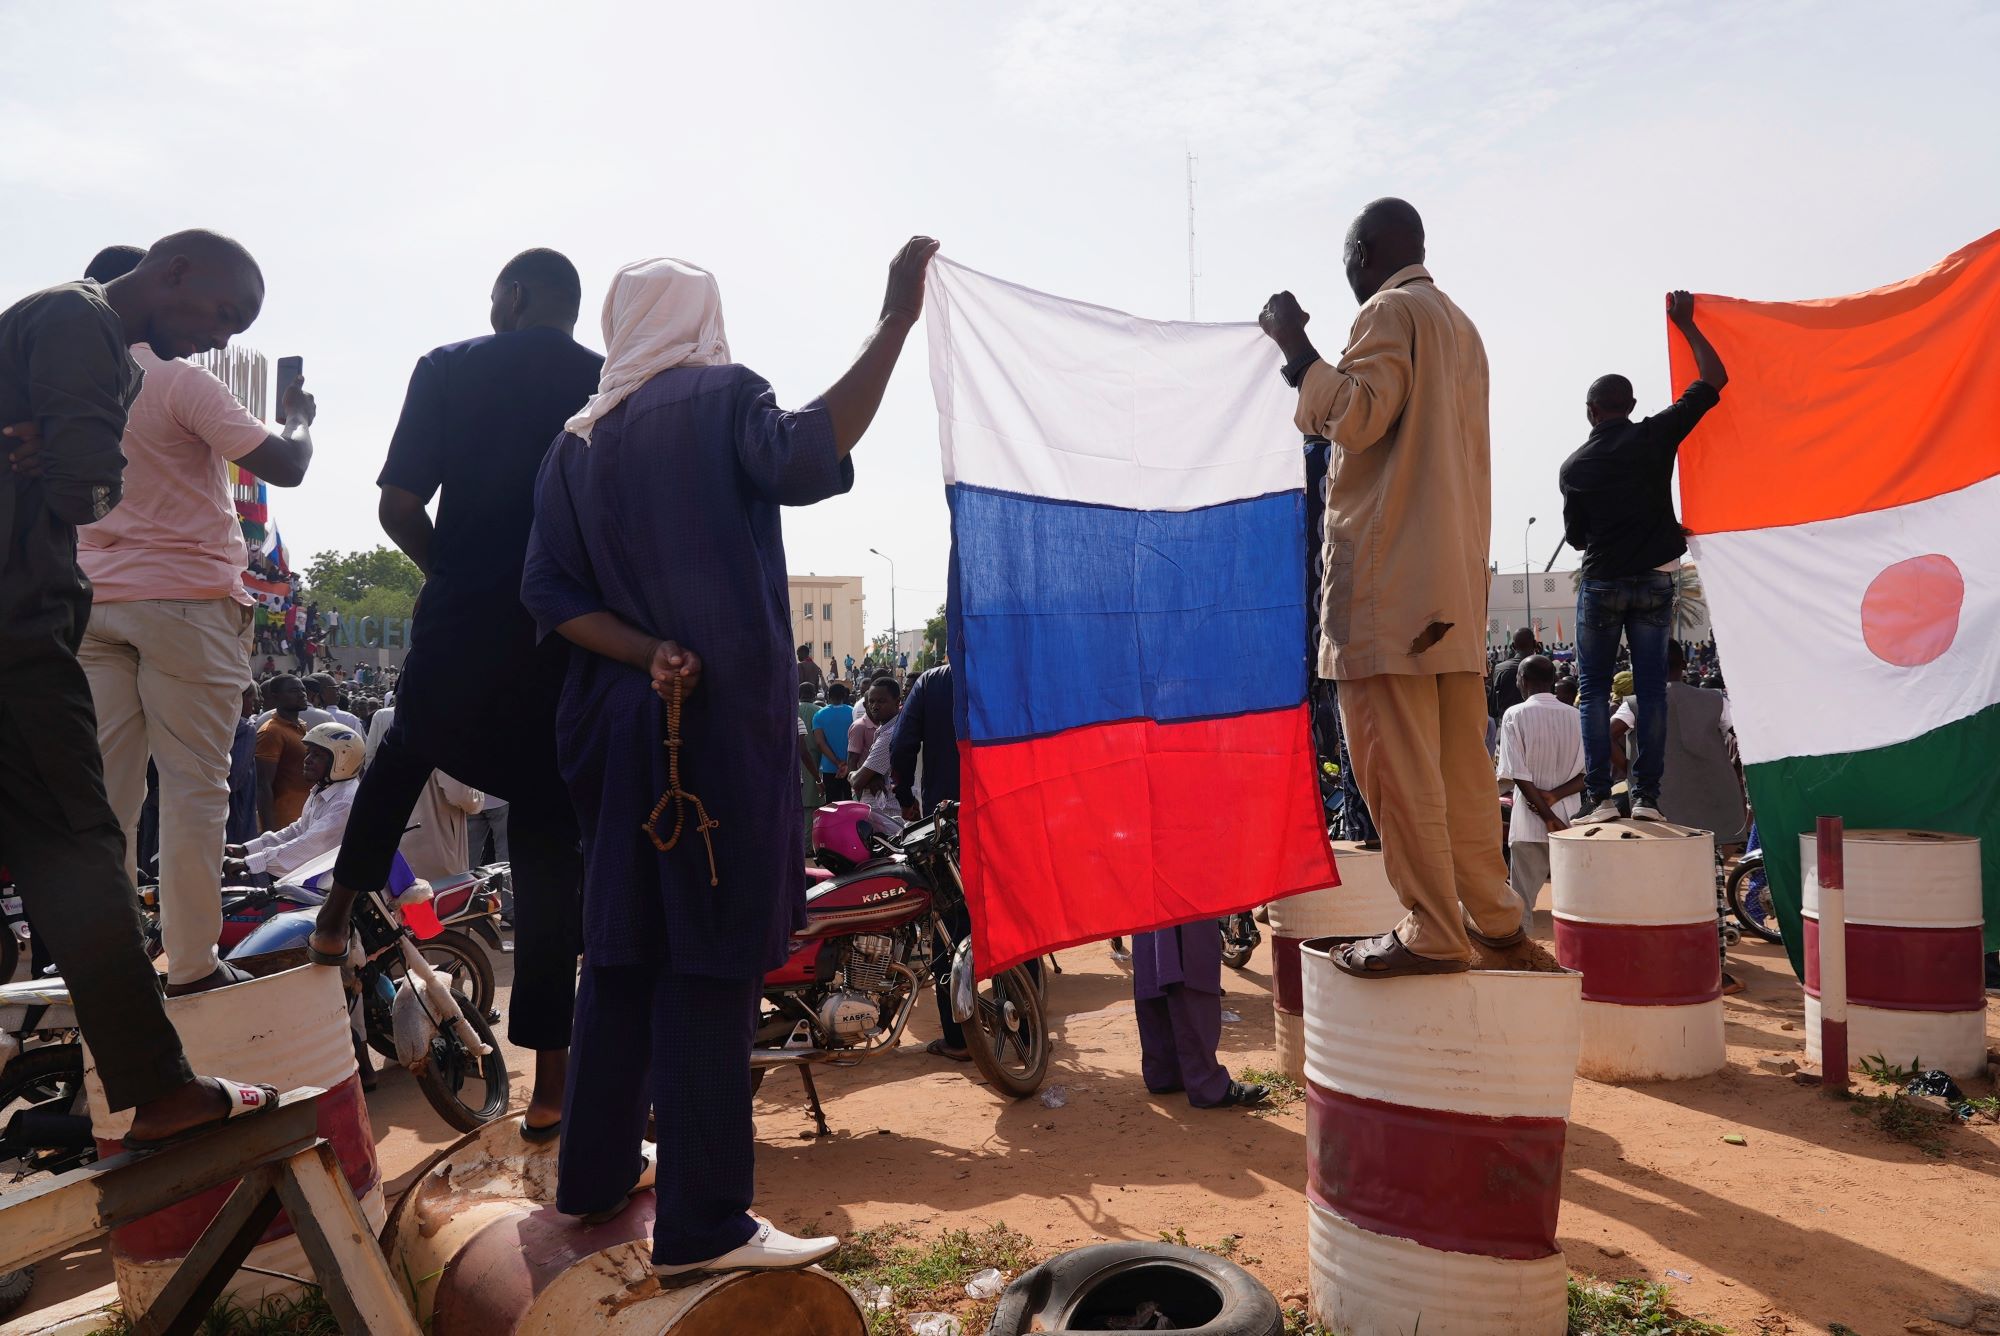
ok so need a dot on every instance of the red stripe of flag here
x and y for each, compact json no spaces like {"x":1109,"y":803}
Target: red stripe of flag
{"x":1130,"y":826}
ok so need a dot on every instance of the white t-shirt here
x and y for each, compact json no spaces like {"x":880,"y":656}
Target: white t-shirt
{"x":1541,"y":741}
{"x":317,"y":830}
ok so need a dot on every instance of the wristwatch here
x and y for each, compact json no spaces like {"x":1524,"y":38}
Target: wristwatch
{"x":1294,"y":371}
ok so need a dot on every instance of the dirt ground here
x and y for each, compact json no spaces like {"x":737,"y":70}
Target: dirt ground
{"x":1821,"y":1219}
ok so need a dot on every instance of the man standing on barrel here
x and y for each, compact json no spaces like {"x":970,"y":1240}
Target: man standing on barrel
{"x":1403,"y":600}
{"x":477,"y":698}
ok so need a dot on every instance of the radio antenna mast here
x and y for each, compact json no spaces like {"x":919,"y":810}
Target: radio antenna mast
{"x":1193,"y":271}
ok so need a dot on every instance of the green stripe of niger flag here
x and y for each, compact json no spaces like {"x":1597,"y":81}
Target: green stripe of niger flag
{"x":1947,"y":779}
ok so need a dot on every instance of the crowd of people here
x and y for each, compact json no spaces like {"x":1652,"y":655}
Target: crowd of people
{"x":604,"y":621}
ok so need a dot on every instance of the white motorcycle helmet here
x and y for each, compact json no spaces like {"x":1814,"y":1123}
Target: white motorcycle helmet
{"x":346,"y":746}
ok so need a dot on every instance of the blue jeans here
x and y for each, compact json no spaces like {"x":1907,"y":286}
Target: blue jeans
{"x":1640,"y":608}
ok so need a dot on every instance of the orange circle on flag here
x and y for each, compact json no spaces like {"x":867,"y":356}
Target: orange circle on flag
{"x":1909,"y":616}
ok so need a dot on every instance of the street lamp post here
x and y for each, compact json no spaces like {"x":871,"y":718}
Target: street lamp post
{"x":892,"y":603}
{"x":1528,"y":574}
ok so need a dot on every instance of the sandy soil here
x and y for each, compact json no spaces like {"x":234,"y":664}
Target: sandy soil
{"x":1819,"y":1219}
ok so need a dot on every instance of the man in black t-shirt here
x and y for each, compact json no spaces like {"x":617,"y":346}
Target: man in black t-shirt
{"x":1505,"y":692}
{"x":67,"y":383}
{"x":1618,"y":510}
{"x":477,"y":696}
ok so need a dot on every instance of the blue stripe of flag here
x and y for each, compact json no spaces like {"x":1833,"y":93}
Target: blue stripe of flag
{"x":1064,"y":614}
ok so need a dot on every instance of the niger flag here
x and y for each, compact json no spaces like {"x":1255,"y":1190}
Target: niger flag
{"x":1845,"y":498}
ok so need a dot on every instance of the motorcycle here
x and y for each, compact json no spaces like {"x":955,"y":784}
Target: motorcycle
{"x":435,"y":1020}
{"x":871,"y":948}
{"x":467,"y":906}
{"x":1239,"y":939}
{"x":1749,"y":893}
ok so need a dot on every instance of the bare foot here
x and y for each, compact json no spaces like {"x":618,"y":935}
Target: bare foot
{"x":331,"y":928}
{"x":545,"y":1105}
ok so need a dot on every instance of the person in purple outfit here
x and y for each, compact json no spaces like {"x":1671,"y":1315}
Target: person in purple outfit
{"x":1177,"y":993}
{"x":657,"y":554}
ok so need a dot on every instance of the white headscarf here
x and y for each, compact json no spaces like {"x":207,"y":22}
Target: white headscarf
{"x":659,"y":314}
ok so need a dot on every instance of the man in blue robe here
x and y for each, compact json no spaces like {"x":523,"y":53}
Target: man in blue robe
{"x":657,"y":554}
{"x":1177,"y":993}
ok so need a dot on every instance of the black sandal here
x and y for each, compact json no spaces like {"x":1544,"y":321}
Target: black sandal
{"x":1242,"y":1096}
{"x":1386,"y":957}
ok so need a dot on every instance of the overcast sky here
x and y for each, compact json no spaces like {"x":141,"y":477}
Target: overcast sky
{"x":1571,"y":163}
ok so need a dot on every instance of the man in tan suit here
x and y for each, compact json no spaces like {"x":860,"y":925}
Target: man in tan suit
{"x":1403,"y":612}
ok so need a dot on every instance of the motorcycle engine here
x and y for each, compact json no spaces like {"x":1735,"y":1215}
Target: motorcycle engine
{"x":847,"y":1014}
{"x":851,"y":1009}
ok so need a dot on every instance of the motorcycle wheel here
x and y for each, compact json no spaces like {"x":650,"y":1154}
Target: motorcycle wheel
{"x":1238,"y":949}
{"x":463,"y":963}
{"x":1750,"y":900}
{"x":51,"y":1074}
{"x":1008,"y":1034}
{"x":445,"y":1076}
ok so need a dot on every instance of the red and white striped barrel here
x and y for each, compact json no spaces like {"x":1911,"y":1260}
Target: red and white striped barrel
{"x":1916,"y":985}
{"x":287,"y":1030}
{"x":1436,"y":1111}
{"x":1635,"y":915}
{"x":1360,"y":905}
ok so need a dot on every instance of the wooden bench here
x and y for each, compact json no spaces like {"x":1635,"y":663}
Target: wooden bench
{"x":282,"y":1164}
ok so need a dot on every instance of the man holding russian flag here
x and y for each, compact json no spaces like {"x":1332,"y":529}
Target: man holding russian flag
{"x":1403,"y":602}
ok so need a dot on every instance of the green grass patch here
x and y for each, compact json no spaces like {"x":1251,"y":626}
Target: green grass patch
{"x":1229,"y":1247}
{"x":304,"y":1314}
{"x":1629,"y":1308}
{"x":928,"y":1274}
{"x":1891,"y":1116}
{"x":1298,"y":1322}
{"x":1285,"y":1092}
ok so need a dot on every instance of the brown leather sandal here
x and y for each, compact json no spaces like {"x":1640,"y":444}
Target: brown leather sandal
{"x":1386,"y":957}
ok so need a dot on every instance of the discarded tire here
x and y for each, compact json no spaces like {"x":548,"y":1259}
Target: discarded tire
{"x":1110,"y":1286}
{"x":1916,"y":982}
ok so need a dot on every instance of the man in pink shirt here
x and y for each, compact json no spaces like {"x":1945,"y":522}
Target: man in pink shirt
{"x":167,"y":648}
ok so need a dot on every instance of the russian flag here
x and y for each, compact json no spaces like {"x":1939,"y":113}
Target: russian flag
{"x":1126,"y":618}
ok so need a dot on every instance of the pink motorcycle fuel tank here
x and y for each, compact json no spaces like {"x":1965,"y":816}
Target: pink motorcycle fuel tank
{"x":875,"y":898}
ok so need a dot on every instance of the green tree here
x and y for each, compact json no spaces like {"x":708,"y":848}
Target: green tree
{"x":933,"y":652}
{"x":381,"y":582}
{"x":1690,"y":601}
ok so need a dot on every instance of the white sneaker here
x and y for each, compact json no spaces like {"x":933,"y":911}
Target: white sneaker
{"x":769,"y":1249}
{"x":1606,"y":810}
{"x":1642,"y":810}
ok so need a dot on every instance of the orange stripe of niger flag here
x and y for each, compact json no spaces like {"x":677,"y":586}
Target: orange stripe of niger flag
{"x":1849,"y":404}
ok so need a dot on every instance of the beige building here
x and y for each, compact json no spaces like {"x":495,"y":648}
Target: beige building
{"x":1547,"y":600}
{"x":826,"y":614}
